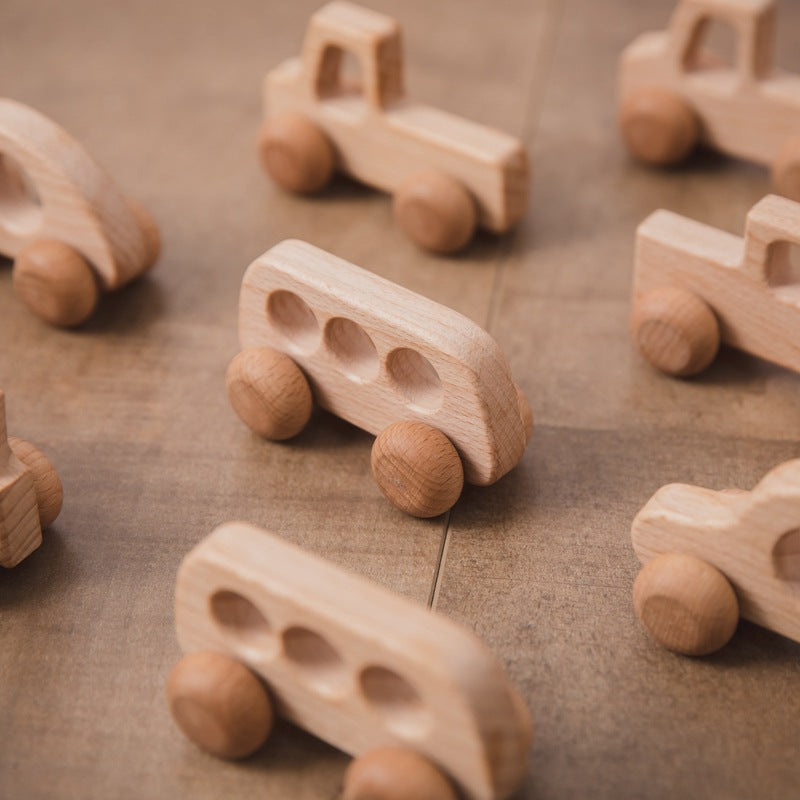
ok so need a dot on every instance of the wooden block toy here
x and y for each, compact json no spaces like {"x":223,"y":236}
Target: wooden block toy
{"x":674,"y":92}
{"x":447,"y":174}
{"x":70,"y":231}
{"x":695,"y":286}
{"x":433,"y":385}
{"x":711,"y":556}
{"x":30,"y":495}
{"x":420,"y":701}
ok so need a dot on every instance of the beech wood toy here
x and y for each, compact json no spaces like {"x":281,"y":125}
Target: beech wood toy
{"x":674,"y":93}
{"x":695,"y":285}
{"x":67,"y":226}
{"x":420,"y":701}
{"x":447,"y":174}
{"x":432,"y":385}
{"x":30,"y":495}
{"x":711,"y":556}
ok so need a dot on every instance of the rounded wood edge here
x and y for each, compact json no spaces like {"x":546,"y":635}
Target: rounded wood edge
{"x":46,"y":483}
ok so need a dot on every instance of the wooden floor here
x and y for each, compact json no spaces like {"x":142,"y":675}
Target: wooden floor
{"x":133,"y":411}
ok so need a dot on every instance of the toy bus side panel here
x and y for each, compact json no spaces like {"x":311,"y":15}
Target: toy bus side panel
{"x":752,"y":120}
{"x":20,"y":531}
{"x":708,"y":525}
{"x":473,"y":400}
{"x":674,"y":251}
{"x":351,"y":662}
{"x":383,"y":148}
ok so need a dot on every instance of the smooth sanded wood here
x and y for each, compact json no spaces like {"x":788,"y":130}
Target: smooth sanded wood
{"x":752,"y":538}
{"x":352,"y":662}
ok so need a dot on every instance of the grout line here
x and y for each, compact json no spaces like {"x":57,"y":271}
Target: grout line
{"x":438,"y":574}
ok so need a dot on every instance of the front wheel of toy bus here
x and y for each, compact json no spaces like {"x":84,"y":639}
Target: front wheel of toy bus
{"x":219,"y":704}
{"x":46,"y":483}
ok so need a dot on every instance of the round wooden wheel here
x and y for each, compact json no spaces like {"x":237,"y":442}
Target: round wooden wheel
{"x":685,"y":604}
{"x":46,"y":483}
{"x":658,"y":126}
{"x":395,"y":773}
{"x":150,"y":233}
{"x":786,"y":170}
{"x":269,"y":393}
{"x":675,"y":330}
{"x":436,"y":211}
{"x":296,"y":153}
{"x":56,"y":283}
{"x":417,"y":468}
{"x":219,"y":704}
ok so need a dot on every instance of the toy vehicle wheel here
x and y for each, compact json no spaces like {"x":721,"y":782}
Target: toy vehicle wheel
{"x":417,"y":468}
{"x":436,"y":211}
{"x":395,"y":773}
{"x":685,"y":604}
{"x":56,"y":283}
{"x":675,"y":330}
{"x":786,"y":170}
{"x":296,"y":153}
{"x":219,"y":704}
{"x":150,"y":232}
{"x":46,"y":483}
{"x":658,"y":126}
{"x":269,"y":393}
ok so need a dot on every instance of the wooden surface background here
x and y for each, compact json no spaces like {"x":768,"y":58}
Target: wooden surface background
{"x":132,"y":409}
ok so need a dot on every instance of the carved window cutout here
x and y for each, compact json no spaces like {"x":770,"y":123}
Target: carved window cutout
{"x":712,"y":46}
{"x":341,"y":74}
{"x":786,"y":556}
{"x":784,"y":265}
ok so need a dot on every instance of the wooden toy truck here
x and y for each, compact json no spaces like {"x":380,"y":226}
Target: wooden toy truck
{"x":419,"y":700}
{"x":673,"y":93}
{"x":433,"y":385}
{"x":710,"y":556}
{"x":30,"y":495}
{"x":69,"y":229}
{"x":695,"y":285}
{"x":447,"y":174}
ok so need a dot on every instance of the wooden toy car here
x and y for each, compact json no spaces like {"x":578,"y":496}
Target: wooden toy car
{"x":447,"y":174}
{"x":30,"y":495}
{"x":674,"y":93}
{"x":695,"y":285}
{"x":421,"y":701}
{"x":432,"y":384}
{"x":710,"y":556}
{"x":69,"y":229}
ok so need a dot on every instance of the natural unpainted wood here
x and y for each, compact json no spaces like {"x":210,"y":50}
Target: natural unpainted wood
{"x":752,"y":538}
{"x":750,"y":109}
{"x":387,"y":141}
{"x":59,"y":211}
{"x":690,"y":278}
{"x":350,"y":661}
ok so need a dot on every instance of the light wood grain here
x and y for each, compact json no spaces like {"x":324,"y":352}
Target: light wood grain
{"x":351,"y":662}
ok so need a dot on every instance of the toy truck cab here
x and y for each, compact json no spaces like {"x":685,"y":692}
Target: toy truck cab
{"x":344,"y":658}
{"x":712,"y":555}
{"x":469,"y":173}
{"x":674,"y":92}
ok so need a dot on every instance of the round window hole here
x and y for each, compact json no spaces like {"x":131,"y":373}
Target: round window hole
{"x":243,"y":623}
{"x":786,"y":556}
{"x":415,"y":378}
{"x":317,"y":661}
{"x":353,"y":349}
{"x":20,"y":204}
{"x":396,"y":701}
{"x":295,"y":320}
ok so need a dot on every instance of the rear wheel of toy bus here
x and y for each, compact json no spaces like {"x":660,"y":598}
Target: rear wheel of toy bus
{"x":437,"y":212}
{"x":395,"y":773}
{"x":55,"y":282}
{"x":417,"y":468}
{"x":219,"y":704}
{"x":675,"y":330}
{"x":46,"y":483}
{"x":296,"y":153}
{"x":786,"y":170}
{"x":658,"y":126}
{"x":685,"y":604}
{"x":269,"y":392}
